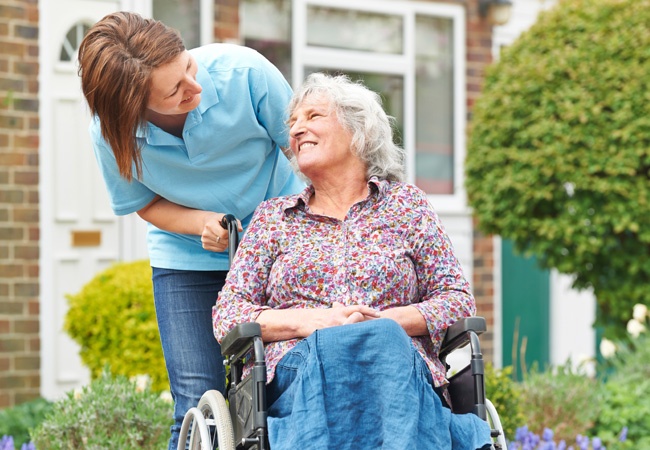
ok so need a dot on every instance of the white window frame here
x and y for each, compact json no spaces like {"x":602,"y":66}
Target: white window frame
{"x":206,"y":15}
{"x":304,"y":55}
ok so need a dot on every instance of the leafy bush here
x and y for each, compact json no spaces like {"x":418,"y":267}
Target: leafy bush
{"x":558,"y":157}
{"x":505,"y":394}
{"x":110,"y":413}
{"x":114,"y":321}
{"x":626,"y":400}
{"x":18,"y":420}
{"x":561,"y":400}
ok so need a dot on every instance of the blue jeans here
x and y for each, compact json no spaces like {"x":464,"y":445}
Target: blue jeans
{"x":184,"y":301}
{"x":363,"y":386}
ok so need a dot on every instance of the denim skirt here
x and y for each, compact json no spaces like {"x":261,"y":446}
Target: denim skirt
{"x":363,"y":386}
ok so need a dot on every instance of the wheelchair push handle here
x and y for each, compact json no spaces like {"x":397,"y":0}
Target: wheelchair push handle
{"x":229,"y":222}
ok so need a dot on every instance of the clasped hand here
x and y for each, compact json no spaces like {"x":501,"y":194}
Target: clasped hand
{"x":340,"y":314}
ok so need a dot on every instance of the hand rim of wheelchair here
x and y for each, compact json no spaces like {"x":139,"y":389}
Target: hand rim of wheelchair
{"x":212,"y":411}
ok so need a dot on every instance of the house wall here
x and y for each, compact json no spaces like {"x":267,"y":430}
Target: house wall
{"x":479,"y":55}
{"x":20,"y":356}
{"x":19,"y":203}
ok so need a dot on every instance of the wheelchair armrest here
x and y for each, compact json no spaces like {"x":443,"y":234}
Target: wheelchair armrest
{"x":456,"y":336}
{"x":240,"y":338}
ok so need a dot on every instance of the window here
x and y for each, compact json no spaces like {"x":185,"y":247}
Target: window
{"x":71,"y":41}
{"x":186,"y":17}
{"x":412,"y":53}
{"x":265,"y":25}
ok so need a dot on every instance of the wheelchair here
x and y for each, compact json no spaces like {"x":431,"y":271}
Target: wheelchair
{"x":240,"y":422}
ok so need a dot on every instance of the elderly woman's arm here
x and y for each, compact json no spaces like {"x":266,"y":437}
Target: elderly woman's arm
{"x":444,"y":293}
{"x":409,"y":317}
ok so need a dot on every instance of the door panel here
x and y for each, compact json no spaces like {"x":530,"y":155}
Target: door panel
{"x":526,"y":311}
{"x":80,"y":234}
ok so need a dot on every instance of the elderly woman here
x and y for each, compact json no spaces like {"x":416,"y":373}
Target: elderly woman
{"x":354,"y":283}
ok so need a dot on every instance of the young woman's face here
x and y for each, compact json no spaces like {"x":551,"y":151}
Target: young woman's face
{"x":318,"y":140}
{"x":174,"y":89}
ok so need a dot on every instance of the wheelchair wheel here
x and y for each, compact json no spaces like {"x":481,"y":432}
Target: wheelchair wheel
{"x":194,"y":418}
{"x":495,"y":422}
{"x":218,"y":424}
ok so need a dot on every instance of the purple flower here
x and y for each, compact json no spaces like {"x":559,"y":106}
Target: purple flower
{"x":623,"y":436}
{"x":597,"y":444}
{"x":7,"y":443}
{"x":521,"y":433}
{"x":28,"y":446}
{"x":583,"y":442}
{"x":561,"y":445}
{"x":547,"y":435}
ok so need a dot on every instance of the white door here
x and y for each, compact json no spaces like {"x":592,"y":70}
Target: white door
{"x":80,"y":235}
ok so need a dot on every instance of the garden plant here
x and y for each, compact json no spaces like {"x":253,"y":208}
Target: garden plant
{"x":112,"y":412}
{"x":113,"y":320}
{"x":558,"y":157}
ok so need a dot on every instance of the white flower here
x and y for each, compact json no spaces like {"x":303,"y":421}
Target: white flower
{"x":166,"y":396}
{"x":635,"y":328}
{"x":640,"y":312}
{"x":607,"y":348}
{"x":78,"y":392}
{"x":141,"y":382}
{"x":569,"y":188}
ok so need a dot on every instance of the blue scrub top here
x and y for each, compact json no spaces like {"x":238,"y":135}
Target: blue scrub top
{"x":228,"y":161}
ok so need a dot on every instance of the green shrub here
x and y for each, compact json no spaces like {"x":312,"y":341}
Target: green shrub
{"x":113,"y":319}
{"x":505,"y":394}
{"x":18,"y":420}
{"x":110,"y":413}
{"x":626,"y":400}
{"x":560,"y":399}
{"x":558,"y":155}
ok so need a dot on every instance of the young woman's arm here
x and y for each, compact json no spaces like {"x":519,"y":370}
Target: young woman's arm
{"x":175,"y":218}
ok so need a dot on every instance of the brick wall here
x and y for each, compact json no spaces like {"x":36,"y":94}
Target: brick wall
{"x":226,"y":18}
{"x":19,"y":208}
{"x":479,"y":55}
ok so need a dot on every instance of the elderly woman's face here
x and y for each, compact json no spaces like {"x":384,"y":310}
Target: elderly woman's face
{"x":318,"y":141}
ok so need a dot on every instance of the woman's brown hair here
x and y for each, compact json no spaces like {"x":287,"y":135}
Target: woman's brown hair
{"x":116,"y":59}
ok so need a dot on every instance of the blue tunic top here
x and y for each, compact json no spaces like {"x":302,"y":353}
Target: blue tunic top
{"x":229,"y":159}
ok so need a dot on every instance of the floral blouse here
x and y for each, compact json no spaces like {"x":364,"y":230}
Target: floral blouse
{"x":390,"y":250}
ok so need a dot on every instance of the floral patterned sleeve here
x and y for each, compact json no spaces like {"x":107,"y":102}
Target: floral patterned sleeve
{"x":444,"y":292}
{"x":243,"y":297}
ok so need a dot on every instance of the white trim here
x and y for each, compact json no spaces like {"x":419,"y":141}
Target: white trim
{"x":206,"y":16}
{"x":46,"y":301}
{"x":497,"y":313}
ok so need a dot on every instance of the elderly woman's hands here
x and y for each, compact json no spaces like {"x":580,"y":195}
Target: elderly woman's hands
{"x":343,"y":315}
{"x":284,"y":324}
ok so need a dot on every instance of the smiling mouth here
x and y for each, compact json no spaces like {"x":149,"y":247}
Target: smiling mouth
{"x":306,"y":145}
{"x":187,"y":99}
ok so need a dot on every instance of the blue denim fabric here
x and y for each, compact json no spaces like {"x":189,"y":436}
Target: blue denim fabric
{"x":184,"y":301}
{"x":363,"y":386}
